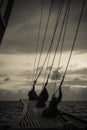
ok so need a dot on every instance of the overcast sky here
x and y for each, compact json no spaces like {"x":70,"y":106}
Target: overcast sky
{"x":21,"y":33}
{"x":17,"y":51}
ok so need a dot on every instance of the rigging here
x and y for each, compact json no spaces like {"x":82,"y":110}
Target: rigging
{"x":43,"y":94}
{"x":32,"y":94}
{"x":52,"y":111}
{"x":44,"y":37}
{"x":48,"y":49}
{"x":38,"y":38}
{"x":61,"y":48}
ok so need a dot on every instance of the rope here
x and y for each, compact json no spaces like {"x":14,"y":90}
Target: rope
{"x":45,"y":34}
{"x":38,"y":38}
{"x":61,"y":49}
{"x":83,"y":4}
{"x":49,"y":46}
{"x":58,"y":42}
{"x":57,"y":21}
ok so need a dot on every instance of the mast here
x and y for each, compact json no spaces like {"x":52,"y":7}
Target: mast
{"x":4,"y":18}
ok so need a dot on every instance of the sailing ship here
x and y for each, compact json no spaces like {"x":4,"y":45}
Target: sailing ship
{"x":38,"y":111}
{"x":42,"y":113}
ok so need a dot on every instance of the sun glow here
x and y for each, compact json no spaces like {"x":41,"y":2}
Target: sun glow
{"x":16,"y":71}
{"x":19,"y":62}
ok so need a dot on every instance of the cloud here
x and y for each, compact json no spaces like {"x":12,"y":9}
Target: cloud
{"x":7,"y":79}
{"x":69,"y":93}
{"x":75,"y":94}
{"x":49,"y":67}
{"x":2,"y":75}
{"x":55,"y":75}
{"x":10,"y":95}
{"x":24,"y":22}
{"x":78,"y":71}
{"x":25,"y":74}
{"x":2,"y":63}
{"x":80,"y":52}
{"x":72,"y":66}
{"x":76,"y":81}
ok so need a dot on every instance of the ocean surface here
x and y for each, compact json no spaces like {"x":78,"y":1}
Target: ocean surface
{"x":77,"y":108}
{"x":10,"y":111}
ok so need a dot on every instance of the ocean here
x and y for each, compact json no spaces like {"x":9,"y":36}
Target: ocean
{"x":10,"y":111}
{"x":77,"y":108}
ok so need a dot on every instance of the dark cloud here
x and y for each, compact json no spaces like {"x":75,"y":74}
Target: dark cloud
{"x":78,"y":71}
{"x":21,"y":33}
{"x":55,"y":75}
{"x":76,"y":81}
{"x":21,"y":37}
{"x":7,"y":79}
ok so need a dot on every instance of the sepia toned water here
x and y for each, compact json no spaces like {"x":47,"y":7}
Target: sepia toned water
{"x":77,"y":108}
{"x":10,"y":111}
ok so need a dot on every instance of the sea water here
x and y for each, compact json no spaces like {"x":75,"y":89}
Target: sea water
{"x":10,"y":112}
{"x":77,"y":108}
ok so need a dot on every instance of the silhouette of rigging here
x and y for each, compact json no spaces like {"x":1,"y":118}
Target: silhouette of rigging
{"x":32,"y":94}
{"x":42,"y":98}
{"x":54,"y":54}
{"x":35,"y":81}
{"x":52,"y":110}
{"x":38,"y":39}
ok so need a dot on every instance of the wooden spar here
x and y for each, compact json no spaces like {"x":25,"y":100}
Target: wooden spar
{"x":4,"y":19}
{"x":33,"y":119}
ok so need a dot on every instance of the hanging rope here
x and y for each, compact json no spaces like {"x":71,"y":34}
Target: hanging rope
{"x":57,"y":22}
{"x":61,"y":49}
{"x":44,"y":35}
{"x":74,"y":41}
{"x":57,"y":42}
{"x":38,"y":38}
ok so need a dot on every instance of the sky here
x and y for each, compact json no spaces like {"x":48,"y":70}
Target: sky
{"x":18,"y":49}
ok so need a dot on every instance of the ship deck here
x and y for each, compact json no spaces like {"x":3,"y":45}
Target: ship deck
{"x":32,"y":119}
